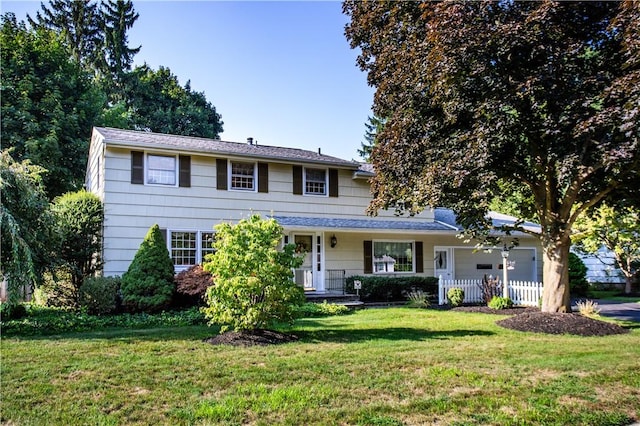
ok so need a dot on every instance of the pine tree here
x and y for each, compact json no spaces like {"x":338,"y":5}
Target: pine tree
{"x":118,"y":17}
{"x":79,"y":22}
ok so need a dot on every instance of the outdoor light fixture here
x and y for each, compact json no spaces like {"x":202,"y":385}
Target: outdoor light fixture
{"x":334,"y":241}
{"x":505,"y":256}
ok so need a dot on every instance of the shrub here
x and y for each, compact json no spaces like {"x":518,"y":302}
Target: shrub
{"x":46,"y":320}
{"x":78,"y":216}
{"x":12,"y":311}
{"x":455,"y":296}
{"x":192,"y":285}
{"x":391,"y":289}
{"x":588,"y":308}
{"x":418,"y":299}
{"x":56,"y":290}
{"x":320,"y":309}
{"x":254,"y":279}
{"x":148,"y":286}
{"x":499,"y":302}
{"x":578,"y":283}
{"x":99,"y":295}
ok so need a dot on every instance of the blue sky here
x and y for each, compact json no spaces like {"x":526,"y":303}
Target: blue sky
{"x":280,"y":72}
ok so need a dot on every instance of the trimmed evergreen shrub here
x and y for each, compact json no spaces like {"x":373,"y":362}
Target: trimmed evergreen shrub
{"x":455,"y":296}
{"x":578,"y":284}
{"x":148,"y":285}
{"x":100,"y":295}
{"x":391,"y":288}
{"x":192,"y":285}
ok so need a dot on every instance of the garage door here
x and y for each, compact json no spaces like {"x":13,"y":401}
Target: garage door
{"x":474,"y":265}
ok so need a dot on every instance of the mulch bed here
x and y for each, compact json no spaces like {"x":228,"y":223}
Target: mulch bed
{"x":257,"y":337}
{"x":532,"y":320}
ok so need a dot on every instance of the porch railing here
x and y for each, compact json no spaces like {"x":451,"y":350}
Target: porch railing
{"x":524,"y":293}
{"x":334,"y":280}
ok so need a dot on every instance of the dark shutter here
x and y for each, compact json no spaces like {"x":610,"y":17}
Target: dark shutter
{"x":185,"y":171}
{"x":368,"y":257}
{"x":221,"y":170}
{"x":263,"y":177}
{"x":297,"y":180}
{"x":333,"y":182}
{"x":163,"y":231}
{"x":419,"y":258}
{"x":137,"y":167}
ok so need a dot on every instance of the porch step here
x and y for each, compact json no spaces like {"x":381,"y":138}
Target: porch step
{"x":350,"y":300}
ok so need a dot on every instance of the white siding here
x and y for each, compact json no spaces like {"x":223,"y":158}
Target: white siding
{"x":131,"y":209}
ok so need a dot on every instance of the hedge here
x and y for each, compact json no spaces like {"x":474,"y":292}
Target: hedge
{"x":391,"y":288}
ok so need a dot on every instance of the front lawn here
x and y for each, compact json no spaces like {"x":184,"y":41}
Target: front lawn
{"x":375,"y":367}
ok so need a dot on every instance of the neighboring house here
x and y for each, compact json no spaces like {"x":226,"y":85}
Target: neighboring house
{"x":187,"y":185}
{"x":602,"y":268}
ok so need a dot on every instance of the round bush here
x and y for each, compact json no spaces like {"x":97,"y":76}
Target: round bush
{"x":455,"y":296}
{"x":499,"y":302}
{"x":192,"y":285}
{"x":100,"y":295}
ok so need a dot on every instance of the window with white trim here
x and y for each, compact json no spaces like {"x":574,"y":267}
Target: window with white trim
{"x":188,"y":248}
{"x":243,"y":176}
{"x":393,"y":256}
{"x":206,"y":245}
{"x":315,"y":181}
{"x":161,"y":169}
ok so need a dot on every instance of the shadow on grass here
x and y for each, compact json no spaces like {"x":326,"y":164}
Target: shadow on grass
{"x":338,"y":335}
{"x":190,"y":332}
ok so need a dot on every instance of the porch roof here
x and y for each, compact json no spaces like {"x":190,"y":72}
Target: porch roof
{"x":362,"y":224}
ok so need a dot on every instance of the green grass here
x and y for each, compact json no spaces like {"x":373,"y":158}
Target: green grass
{"x":395,"y":366}
{"x":613,"y":295}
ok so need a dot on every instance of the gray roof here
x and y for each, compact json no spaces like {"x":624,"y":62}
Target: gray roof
{"x":188,"y":144}
{"x":371,"y":224}
{"x":498,"y":219}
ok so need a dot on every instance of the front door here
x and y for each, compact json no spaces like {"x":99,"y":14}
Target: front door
{"x":309,"y":275}
{"x":443,"y":263}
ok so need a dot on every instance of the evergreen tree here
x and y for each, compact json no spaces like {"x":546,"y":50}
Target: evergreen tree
{"x":148,"y":285}
{"x":26,"y":224}
{"x":80,"y":23}
{"x":374,"y":127}
{"x":118,"y":17}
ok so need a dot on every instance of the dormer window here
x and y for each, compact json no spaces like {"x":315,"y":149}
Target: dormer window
{"x":315,"y":181}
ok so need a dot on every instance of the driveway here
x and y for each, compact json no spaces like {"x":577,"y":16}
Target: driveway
{"x":620,"y":310}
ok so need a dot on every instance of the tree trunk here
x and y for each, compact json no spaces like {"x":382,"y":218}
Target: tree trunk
{"x":555,"y":294}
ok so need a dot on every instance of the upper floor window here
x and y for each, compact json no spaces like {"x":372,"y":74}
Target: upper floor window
{"x":155,"y":169}
{"x":243,"y":176}
{"x":315,"y":181}
{"x":161,"y":169}
{"x":393,"y":256}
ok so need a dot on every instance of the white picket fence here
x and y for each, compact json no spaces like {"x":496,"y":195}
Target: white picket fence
{"x":522,"y":293}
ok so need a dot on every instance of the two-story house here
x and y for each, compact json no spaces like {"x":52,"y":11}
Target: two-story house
{"x":187,"y":185}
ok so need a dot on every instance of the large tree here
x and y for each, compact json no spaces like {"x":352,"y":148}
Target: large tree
{"x":160,"y":104}
{"x":80,"y":24}
{"x":48,"y":104}
{"x":544,"y":94}
{"x":26,"y":224}
{"x":118,"y":18}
